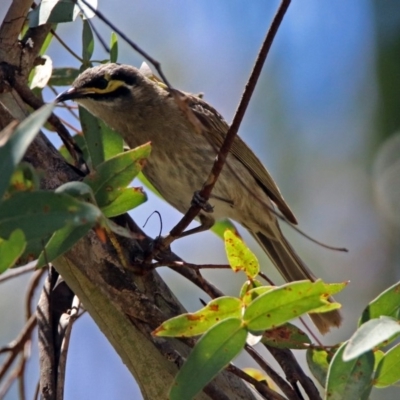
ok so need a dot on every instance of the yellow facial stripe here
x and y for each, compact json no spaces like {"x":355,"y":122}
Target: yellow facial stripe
{"x":111,"y":87}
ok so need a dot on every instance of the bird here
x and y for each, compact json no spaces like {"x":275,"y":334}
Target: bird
{"x":142,"y":109}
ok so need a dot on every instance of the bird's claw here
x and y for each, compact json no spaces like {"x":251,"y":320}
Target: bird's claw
{"x":200,"y":201}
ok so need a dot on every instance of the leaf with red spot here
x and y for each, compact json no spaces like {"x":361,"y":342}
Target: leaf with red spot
{"x":289,"y":301}
{"x":255,"y":292}
{"x":287,"y":336}
{"x":318,"y":360}
{"x":239,"y":255}
{"x":193,"y":324}
{"x":249,"y":285}
{"x":352,"y":379}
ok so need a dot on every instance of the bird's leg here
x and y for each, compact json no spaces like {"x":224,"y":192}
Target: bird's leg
{"x":163,"y":243}
{"x":198,"y":200}
{"x":206,"y":222}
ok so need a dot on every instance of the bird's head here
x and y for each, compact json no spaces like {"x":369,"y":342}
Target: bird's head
{"x":109,"y":88}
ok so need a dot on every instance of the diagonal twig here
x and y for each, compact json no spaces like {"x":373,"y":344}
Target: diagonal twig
{"x":219,"y":162}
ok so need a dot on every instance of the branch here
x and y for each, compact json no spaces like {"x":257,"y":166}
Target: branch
{"x":15,"y":272}
{"x":280,"y":382}
{"x":293,"y":371}
{"x":11,"y":28}
{"x":17,"y":345}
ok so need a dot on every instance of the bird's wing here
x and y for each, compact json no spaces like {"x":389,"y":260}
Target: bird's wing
{"x":217,"y":127}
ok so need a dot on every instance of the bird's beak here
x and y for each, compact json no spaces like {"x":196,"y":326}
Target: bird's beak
{"x":69,"y":94}
{"x":72,"y":94}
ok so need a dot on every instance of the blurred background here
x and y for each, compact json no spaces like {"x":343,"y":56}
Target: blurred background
{"x":325,"y":121}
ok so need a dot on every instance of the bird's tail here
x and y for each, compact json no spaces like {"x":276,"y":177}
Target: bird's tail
{"x":292,"y":269}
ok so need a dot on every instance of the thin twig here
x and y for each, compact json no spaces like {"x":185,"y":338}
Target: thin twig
{"x":205,"y":192}
{"x":15,"y":272}
{"x":17,"y":345}
{"x":21,"y":369}
{"x":66,"y":47}
{"x":30,"y":291}
{"x":62,"y":363}
{"x":36,"y":394}
{"x":76,"y":153}
{"x":16,"y":373}
{"x":76,"y":130}
{"x":184,"y":264}
{"x":280,"y":382}
{"x":153,"y":61}
{"x":265,"y":277}
{"x":294,"y":372}
{"x":96,"y":32}
{"x":261,"y":386}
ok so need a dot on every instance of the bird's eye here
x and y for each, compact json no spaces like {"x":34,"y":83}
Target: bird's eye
{"x":100,"y":83}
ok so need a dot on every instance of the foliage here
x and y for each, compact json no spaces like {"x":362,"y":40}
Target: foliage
{"x":43,"y":224}
{"x":349,"y":371}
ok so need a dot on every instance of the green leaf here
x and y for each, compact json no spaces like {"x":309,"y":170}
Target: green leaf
{"x":388,"y":371}
{"x":318,"y":362}
{"x":193,"y":324}
{"x":222,"y":225}
{"x":371,"y":334}
{"x":52,"y":11}
{"x":46,"y":43}
{"x":13,"y":149}
{"x":252,"y":294}
{"x":220,"y":345}
{"x":113,"y":48}
{"x":247,"y":286}
{"x":112,"y":142}
{"x":87,"y":43}
{"x":78,"y":190}
{"x":59,"y":11}
{"x":102,"y":142}
{"x":349,"y":380}
{"x":63,"y":76}
{"x":127,"y":200}
{"x":11,"y":249}
{"x":113,"y":175}
{"x":287,"y":336}
{"x":93,"y":136}
{"x":286,"y":302}
{"x":239,"y":255}
{"x":80,"y":141}
{"x":61,"y":241}
{"x":387,"y":303}
{"x":24,"y":179}
{"x":378,"y":355}
{"x":39,"y":214}
{"x":148,"y":185}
